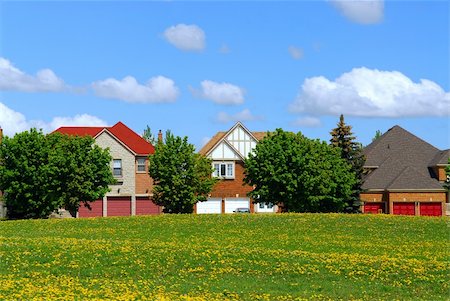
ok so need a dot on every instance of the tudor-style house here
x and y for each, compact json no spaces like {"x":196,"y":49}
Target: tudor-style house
{"x":404,"y":175}
{"x":228,"y":151}
{"x":131,"y":195}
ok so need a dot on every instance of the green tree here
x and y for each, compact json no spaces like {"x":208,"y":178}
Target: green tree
{"x":149,"y":136}
{"x":378,"y":134}
{"x":23,"y":175}
{"x":351,"y":151}
{"x":447,"y":173}
{"x":181,"y":177}
{"x":39,"y":174}
{"x":303,"y":175}
{"x":79,"y":170}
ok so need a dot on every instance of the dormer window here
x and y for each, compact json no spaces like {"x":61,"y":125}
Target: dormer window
{"x":224,"y":170}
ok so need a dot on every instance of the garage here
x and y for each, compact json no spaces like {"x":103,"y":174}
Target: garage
{"x":431,"y":209}
{"x":404,"y":208}
{"x":231,"y":204}
{"x":96,"y":209}
{"x":119,"y":206}
{"x":144,"y":206}
{"x":374,"y":208}
{"x":211,"y":206}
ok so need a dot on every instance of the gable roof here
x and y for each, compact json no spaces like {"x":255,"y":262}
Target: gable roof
{"x":217,"y":138}
{"x":134,"y":142}
{"x":402,"y":160}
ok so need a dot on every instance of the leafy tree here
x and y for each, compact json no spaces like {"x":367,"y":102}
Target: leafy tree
{"x":181,"y":177}
{"x":149,"y":136}
{"x":378,"y":134}
{"x":23,"y":175}
{"x":81,"y":166}
{"x":40,"y":174}
{"x":303,"y":175}
{"x":342,"y":138}
{"x":447,"y":173}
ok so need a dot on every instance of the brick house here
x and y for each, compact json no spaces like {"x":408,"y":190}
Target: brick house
{"x":131,"y":195}
{"x":404,"y":175}
{"x":228,"y":151}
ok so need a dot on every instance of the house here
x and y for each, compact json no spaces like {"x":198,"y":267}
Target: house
{"x":228,"y":150}
{"x":131,"y":195}
{"x":404,"y":175}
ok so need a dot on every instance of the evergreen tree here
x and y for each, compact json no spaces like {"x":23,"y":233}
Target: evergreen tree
{"x":149,"y":137}
{"x":378,"y":134}
{"x":342,"y":137}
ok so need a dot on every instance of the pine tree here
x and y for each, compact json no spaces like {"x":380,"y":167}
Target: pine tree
{"x":149,"y":137}
{"x":378,"y":134}
{"x":342,"y":137}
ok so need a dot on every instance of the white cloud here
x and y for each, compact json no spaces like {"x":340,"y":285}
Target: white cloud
{"x":372,"y":93}
{"x":157,"y":89}
{"x":220,"y":93}
{"x":295,"y":52}
{"x":361,"y":11}
{"x":77,"y":120}
{"x":13,"y":122}
{"x":11,"y":78}
{"x":307,"y":122}
{"x":186,"y":37}
{"x":243,"y":116}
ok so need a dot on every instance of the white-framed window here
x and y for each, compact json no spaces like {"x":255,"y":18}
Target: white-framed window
{"x":117,"y":167}
{"x":223,"y":170}
{"x":140,"y":164}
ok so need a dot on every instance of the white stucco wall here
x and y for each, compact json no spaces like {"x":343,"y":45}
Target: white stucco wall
{"x":118,"y":151}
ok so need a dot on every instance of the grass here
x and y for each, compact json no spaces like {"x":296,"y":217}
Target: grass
{"x":232,"y":257}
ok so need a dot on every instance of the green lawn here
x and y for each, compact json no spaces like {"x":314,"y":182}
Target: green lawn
{"x":249,"y":257}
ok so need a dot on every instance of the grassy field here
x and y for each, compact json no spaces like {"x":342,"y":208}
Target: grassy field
{"x":226,"y":257}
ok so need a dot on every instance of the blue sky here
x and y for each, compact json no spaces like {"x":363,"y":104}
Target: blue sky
{"x":197,"y":67}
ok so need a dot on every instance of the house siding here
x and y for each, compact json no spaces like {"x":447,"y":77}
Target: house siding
{"x":118,"y":151}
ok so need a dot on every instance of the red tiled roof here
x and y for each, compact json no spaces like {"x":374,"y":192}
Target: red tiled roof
{"x":135,"y":142}
{"x":123,"y":133}
{"x":79,"y":131}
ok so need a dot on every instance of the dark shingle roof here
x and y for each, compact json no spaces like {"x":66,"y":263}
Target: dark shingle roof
{"x":403,"y":162}
{"x":441,"y":158}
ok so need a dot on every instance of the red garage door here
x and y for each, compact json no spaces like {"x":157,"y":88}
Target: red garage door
{"x":119,"y":206}
{"x":431,"y":209}
{"x":144,"y":206}
{"x":373,"y":208}
{"x":404,"y":208}
{"x":96,"y":209}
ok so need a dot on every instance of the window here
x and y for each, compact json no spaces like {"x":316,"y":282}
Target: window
{"x":223,"y":170}
{"x":141,"y":164}
{"x":117,"y":167}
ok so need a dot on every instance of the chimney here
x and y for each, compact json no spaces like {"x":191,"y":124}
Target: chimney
{"x":160,"y":138}
{"x":1,"y":134}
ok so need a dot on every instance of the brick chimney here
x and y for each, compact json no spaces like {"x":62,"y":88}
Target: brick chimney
{"x":160,"y":137}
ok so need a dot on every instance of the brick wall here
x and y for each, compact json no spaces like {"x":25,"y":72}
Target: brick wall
{"x":144,"y":184}
{"x":417,"y":196}
{"x":231,"y":187}
{"x":373,"y":197}
{"x":441,"y":173}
